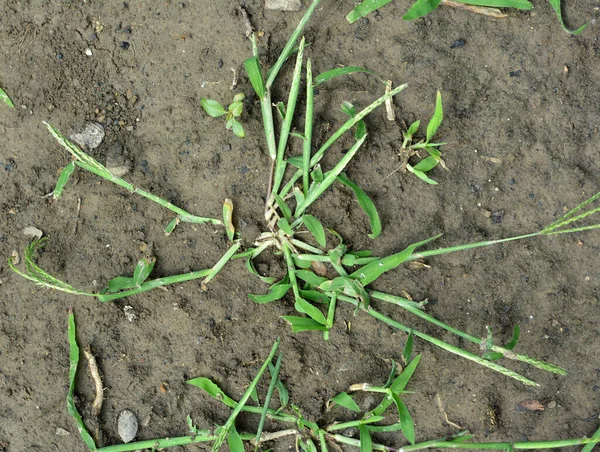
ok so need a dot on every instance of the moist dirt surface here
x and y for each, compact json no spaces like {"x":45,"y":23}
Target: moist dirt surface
{"x":521,"y":116}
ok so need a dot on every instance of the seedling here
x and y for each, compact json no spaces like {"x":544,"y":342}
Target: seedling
{"x":410,"y":149}
{"x":487,"y":7}
{"x":308,"y":434}
{"x":4,"y":98}
{"x":233,"y":112}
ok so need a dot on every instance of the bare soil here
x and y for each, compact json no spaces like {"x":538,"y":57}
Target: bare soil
{"x":521,"y":101}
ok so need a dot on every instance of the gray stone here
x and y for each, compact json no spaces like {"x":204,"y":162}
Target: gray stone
{"x":283,"y":5}
{"x":127,"y":425}
{"x":116,"y":161}
{"x":90,"y":135}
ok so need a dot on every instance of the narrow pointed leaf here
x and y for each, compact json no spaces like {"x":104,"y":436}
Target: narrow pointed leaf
{"x":343,"y":399}
{"x":212,"y":107}
{"x":326,"y":76}
{"x":402,"y":380}
{"x":517,"y":4}
{"x":213,"y":390}
{"x":305,"y":307}
{"x":557,"y":9}
{"x":370,"y":272}
{"x":316,"y":229}
{"x":120,"y":283}
{"x":142,"y":270}
{"x":421,"y":175}
{"x":4,"y":98}
{"x":234,"y":440}
{"x":515,"y":338}
{"x":284,"y":225}
{"x":436,"y":119}
{"x":276,"y":293}
{"x":364,"y":8}
{"x":310,"y":277}
{"x":408,"y":348}
{"x":421,"y":8}
{"x":285,"y":209}
{"x":427,"y":164}
{"x":253,"y":68}
{"x":365,"y":203}
{"x":303,"y":324}
{"x":366,"y":445}
{"x":63,"y":179}
{"x":406,"y":422}
{"x":414,"y":127}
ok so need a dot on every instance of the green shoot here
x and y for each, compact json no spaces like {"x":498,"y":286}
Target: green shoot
{"x":121,"y":286}
{"x":88,"y":163}
{"x":4,"y":98}
{"x":232,"y":114}
{"x":556,"y":6}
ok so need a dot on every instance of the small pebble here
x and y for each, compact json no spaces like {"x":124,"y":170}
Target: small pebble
{"x":62,"y":432}
{"x":127,"y":425}
{"x":90,"y":135}
{"x":226,"y":147}
{"x":32,"y":231}
{"x":88,"y":51}
{"x":283,"y":5}
{"x":516,"y":73}
{"x":124,"y":45}
{"x":59,"y":56}
{"x":552,"y":404}
{"x":457,"y":44}
{"x":497,"y":216}
{"x":511,"y":182}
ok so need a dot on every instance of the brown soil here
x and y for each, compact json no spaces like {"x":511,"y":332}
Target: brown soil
{"x":521,"y":101}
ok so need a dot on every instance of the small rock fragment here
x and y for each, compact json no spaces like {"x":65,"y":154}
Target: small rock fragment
{"x":88,"y":51}
{"x":116,"y":162}
{"x":62,"y":432}
{"x":283,"y":5}
{"x":552,"y":404}
{"x":32,"y":231}
{"x":457,"y":44}
{"x":90,"y":135}
{"x":130,"y":315}
{"x":15,"y":258}
{"x":127,"y":425}
{"x":529,"y":405}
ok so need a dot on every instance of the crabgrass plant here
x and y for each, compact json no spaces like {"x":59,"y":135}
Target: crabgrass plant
{"x":4,"y":98}
{"x":307,"y":434}
{"x":488,"y":7}
{"x":319,"y":275}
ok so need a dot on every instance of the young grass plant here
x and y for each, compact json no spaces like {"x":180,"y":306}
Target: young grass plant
{"x":4,"y":98}
{"x":487,"y":7}
{"x":307,"y":433}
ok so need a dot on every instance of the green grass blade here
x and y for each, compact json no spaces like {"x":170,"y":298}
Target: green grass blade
{"x":276,"y":293}
{"x":427,"y":164}
{"x":570,"y":213}
{"x":406,"y":422}
{"x":326,"y":76}
{"x":63,"y":179}
{"x":366,"y":445}
{"x":315,"y":228}
{"x":305,"y":307}
{"x":263,"y":416}
{"x":303,"y":324}
{"x":142,"y":270}
{"x":308,"y":127}
{"x":234,"y":440}
{"x":421,"y":175}
{"x":286,"y":126}
{"x":364,"y":8}
{"x":346,"y":401}
{"x":221,"y":262}
{"x":73,"y":362}
{"x":316,"y":158}
{"x":436,"y":119}
{"x":421,"y":8}
{"x":289,"y":47}
{"x":374,"y":270}
{"x":365,"y":203}
{"x":213,"y":390}
{"x":590,"y":446}
{"x":285,"y":209}
{"x":517,"y":4}
{"x":329,"y":178}
{"x":240,"y":405}
{"x":4,"y":98}
{"x":252,"y":66}
{"x":397,"y":386}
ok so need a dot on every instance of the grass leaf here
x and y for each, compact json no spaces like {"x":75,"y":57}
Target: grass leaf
{"x":63,"y":179}
{"x":310,"y":277}
{"x":4,"y":98}
{"x":427,"y":164}
{"x":436,"y":119}
{"x":370,"y":272}
{"x":234,"y":440}
{"x":142,"y":270}
{"x":315,"y":228}
{"x":326,"y":76}
{"x":364,"y":8}
{"x":305,"y":307}
{"x":212,"y":108}
{"x":73,"y":362}
{"x":515,"y":338}
{"x":366,"y":445}
{"x":213,"y":390}
{"x":408,"y":348}
{"x":392,"y":375}
{"x":253,"y":69}
{"x":414,"y":127}
{"x":303,"y":324}
{"x":277,"y":293}
{"x":557,"y":9}
{"x":421,"y":175}
{"x":343,"y":399}
{"x":517,"y":4}
{"x":421,"y":8}
{"x":402,"y":380}
{"x":365,"y":203}
{"x":406,"y":422}
{"x":285,"y":209}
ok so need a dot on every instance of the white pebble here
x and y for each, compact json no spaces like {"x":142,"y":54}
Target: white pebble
{"x":127,"y":425}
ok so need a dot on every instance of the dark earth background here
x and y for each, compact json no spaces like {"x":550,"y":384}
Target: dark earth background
{"x":522,"y":133}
